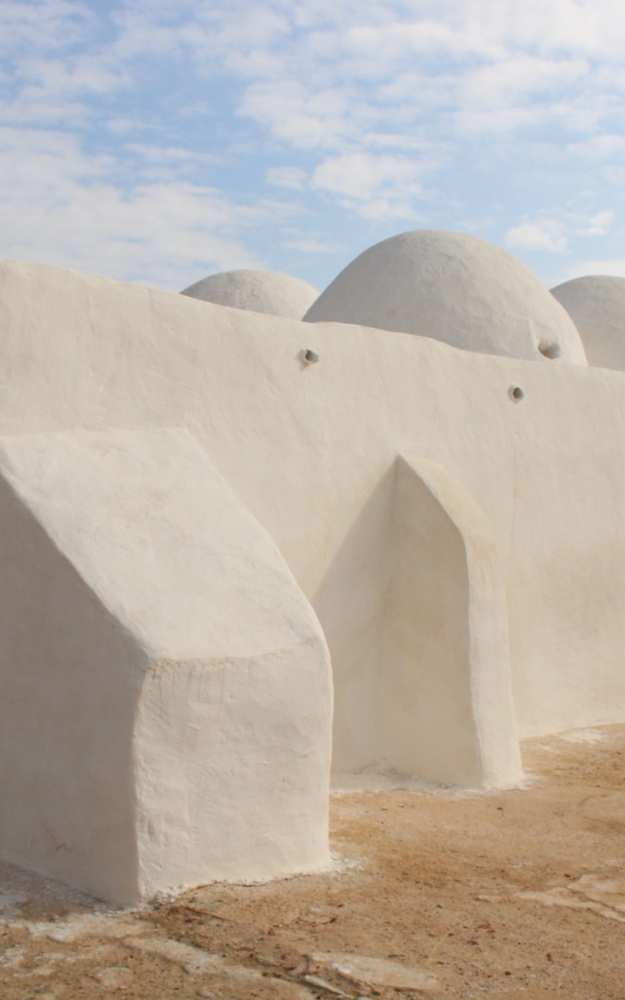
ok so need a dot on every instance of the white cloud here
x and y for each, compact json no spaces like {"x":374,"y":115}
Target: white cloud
{"x":302,"y":117}
{"x":362,"y":175}
{"x":485,"y":56}
{"x":543,"y":234}
{"x":287,"y":177}
{"x":345,"y":77}
{"x":598,"y":225}
{"x":507,"y":80}
{"x":377,"y":98}
{"x":313,"y":246}
{"x":598,"y":147}
{"x":43,"y":26}
{"x":67,"y":205}
{"x":381,"y":187}
{"x":169,"y":163}
{"x":546,"y":232}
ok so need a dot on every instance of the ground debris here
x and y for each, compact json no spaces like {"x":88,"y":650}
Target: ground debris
{"x":518,"y":895}
{"x":379,"y":972}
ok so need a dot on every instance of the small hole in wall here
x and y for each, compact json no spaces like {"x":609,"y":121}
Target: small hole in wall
{"x":516,"y":393}
{"x":549,"y":350}
{"x":309,"y":357}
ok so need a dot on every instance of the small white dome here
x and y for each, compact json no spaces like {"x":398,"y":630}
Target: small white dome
{"x":452,"y":287}
{"x":596,"y":304}
{"x":256,"y":291}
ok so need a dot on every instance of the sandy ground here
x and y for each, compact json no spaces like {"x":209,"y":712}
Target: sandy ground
{"x":516,"y":895}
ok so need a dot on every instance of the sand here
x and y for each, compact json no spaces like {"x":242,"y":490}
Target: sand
{"x":518,"y":895}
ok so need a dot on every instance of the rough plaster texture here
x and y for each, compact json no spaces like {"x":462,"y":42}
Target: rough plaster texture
{"x":451,"y":717}
{"x":312,"y":452}
{"x":415,"y":608}
{"x":456,"y":288}
{"x":165,"y":686}
{"x":256,"y":291}
{"x":596,"y":304}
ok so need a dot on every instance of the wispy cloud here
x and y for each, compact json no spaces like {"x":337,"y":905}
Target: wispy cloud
{"x":156,"y":139}
{"x":313,"y":246}
{"x":287,"y":177}
{"x":60,"y":206}
{"x":363,"y":177}
{"x":545,"y":234}
{"x":553,"y":231}
{"x":43,"y":27}
{"x":598,"y":224}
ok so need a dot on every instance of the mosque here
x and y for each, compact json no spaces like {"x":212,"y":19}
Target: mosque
{"x":254,"y":536}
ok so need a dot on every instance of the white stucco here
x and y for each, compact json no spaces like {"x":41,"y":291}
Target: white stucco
{"x":456,"y":288}
{"x":452,"y":718}
{"x":256,"y":291}
{"x":596,"y":304}
{"x":454,"y":518}
{"x":166,"y":692}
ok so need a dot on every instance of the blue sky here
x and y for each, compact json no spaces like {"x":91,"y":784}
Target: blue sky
{"x":163,"y":140}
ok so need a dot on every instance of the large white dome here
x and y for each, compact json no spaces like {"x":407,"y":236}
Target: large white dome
{"x":256,"y":291}
{"x":452,"y":287}
{"x":596,"y":304}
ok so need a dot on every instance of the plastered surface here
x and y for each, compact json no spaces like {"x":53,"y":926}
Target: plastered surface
{"x":165,"y":686}
{"x":453,"y":287}
{"x":312,"y":450}
{"x":445,"y":684}
{"x":596,"y":304}
{"x":256,"y":291}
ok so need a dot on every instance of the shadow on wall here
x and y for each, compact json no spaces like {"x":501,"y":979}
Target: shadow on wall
{"x":165,"y":687}
{"x":421,"y":674}
{"x":351,"y":604}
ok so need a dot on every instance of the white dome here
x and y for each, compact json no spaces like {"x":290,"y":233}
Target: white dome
{"x":452,"y":287}
{"x":256,"y":291}
{"x":596,"y":304}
